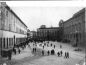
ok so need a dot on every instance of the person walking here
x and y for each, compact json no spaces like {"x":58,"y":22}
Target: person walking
{"x":43,"y":52}
{"x":19,"y":51}
{"x":61,"y":52}
{"x":43,"y":47}
{"x":52,"y":52}
{"x":14,"y":50}
{"x":65,"y":55}
{"x":33,"y":50}
{"x":60,"y":46}
{"x":48,"y":52}
{"x":58,"y":54}
{"x":51,"y":44}
{"x":54,"y":46}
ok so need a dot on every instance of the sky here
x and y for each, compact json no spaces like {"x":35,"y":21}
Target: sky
{"x":35,"y":16}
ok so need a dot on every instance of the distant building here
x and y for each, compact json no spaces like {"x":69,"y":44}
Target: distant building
{"x":12,"y":29}
{"x":74,"y":29}
{"x":34,"y":35}
{"x":51,"y":33}
{"x":28,"y":34}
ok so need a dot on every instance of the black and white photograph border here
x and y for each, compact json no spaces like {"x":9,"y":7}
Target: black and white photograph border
{"x":42,"y":34}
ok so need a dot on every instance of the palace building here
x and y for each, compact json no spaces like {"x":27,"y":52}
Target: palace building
{"x":74,"y":29}
{"x":49,"y":33}
{"x":12,"y":29}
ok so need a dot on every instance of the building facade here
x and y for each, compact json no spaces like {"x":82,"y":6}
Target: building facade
{"x":12,"y":30}
{"x":33,"y":35}
{"x":74,"y":29}
{"x":51,"y":33}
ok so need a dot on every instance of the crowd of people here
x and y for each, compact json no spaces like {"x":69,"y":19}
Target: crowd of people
{"x":43,"y":51}
{"x":49,"y":52}
{"x":17,"y":49}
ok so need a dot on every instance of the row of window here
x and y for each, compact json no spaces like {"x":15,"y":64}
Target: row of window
{"x":9,"y":42}
{"x":6,"y":42}
{"x":20,"y":31}
{"x":9,"y":22}
{"x":73,"y":28}
{"x":77,"y":36}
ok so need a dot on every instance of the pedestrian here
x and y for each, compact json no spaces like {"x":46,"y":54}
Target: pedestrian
{"x":51,"y":44}
{"x":68,"y":55}
{"x":58,"y":54}
{"x":34,"y":49}
{"x":43,"y":52}
{"x":14,"y":50}
{"x":60,"y":46}
{"x":48,"y":52}
{"x":54,"y":46}
{"x":43,"y":47}
{"x":52,"y":52}
{"x":44,"y":44}
{"x":65,"y":55}
{"x":61,"y":52}
{"x":19,"y":51}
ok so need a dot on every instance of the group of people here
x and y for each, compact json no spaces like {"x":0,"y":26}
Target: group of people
{"x":15,"y":51}
{"x":59,"y":53}
{"x":34,"y":50}
{"x":50,"y":52}
{"x":66,"y":55}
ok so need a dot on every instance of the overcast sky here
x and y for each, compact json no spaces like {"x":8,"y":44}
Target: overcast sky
{"x":35,"y":16}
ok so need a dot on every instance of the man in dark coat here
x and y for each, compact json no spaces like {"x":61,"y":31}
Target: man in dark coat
{"x":54,"y":46}
{"x":43,"y":52}
{"x":14,"y":50}
{"x":33,"y":50}
{"x":48,"y":52}
{"x":51,"y":44}
{"x":60,"y":46}
{"x":58,"y":54}
{"x":65,"y":55}
{"x":52,"y":52}
{"x":61,"y":52}
{"x":43,"y":47}
{"x":19,"y":50}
